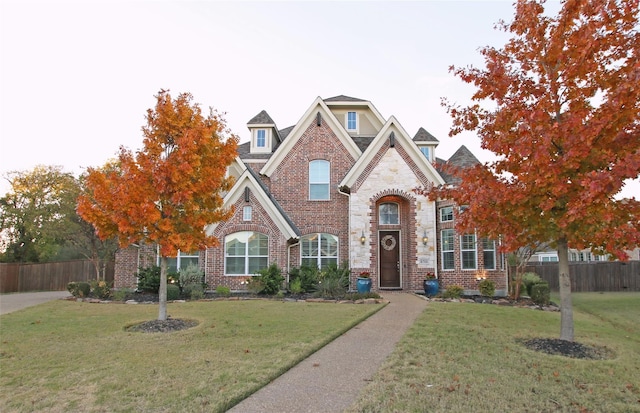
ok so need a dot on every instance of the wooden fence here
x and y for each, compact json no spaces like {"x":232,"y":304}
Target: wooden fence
{"x":48,"y":276}
{"x":592,"y":276}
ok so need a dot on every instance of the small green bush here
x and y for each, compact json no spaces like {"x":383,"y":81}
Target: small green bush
{"x":528,"y":279}
{"x":308,"y":277}
{"x":453,"y":291}
{"x":255,"y":285}
{"x":271,"y":279}
{"x":295,"y":286}
{"x":487,"y":288}
{"x":121,"y":294}
{"x":101,"y":289}
{"x":149,"y":279}
{"x":173,"y":292}
{"x":196,"y":292}
{"x":540,"y":293}
{"x":189,"y":277}
{"x":223,"y":291}
{"x":360,"y":296}
{"x":79,"y":289}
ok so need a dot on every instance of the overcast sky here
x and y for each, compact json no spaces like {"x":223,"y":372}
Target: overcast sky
{"x":78,"y":76}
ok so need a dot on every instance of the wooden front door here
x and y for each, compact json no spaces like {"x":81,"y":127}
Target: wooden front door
{"x":389,"y":253}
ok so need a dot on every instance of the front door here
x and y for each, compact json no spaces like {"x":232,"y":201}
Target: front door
{"x":389,"y":253}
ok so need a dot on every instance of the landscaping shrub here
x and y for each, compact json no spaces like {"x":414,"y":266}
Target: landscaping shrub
{"x":79,"y":289}
{"x":173,"y":292}
{"x":528,"y":279}
{"x":223,"y":291}
{"x":101,"y":289}
{"x":121,"y":294}
{"x":330,"y":288}
{"x":360,"y":296}
{"x":453,"y":291}
{"x":295,"y":286}
{"x":308,"y":277}
{"x":268,"y":281}
{"x":190,"y":276}
{"x":487,"y":288}
{"x":333,"y":282}
{"x":196,"y":292}
{"x":149,"y":279}
{"x":540,"y":293}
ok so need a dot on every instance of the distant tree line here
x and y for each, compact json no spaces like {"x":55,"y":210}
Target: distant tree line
{"x":40,"y":224}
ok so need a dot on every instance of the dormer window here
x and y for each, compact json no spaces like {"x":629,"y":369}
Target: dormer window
{"x":427,"y":151}
{"x":261,"y":138}
{"x":352,"y":121}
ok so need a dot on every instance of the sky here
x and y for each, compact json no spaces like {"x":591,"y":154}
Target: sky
{"x":77,"y":77}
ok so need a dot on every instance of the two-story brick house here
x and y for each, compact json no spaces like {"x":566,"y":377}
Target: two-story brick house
{"x":338,"y":187}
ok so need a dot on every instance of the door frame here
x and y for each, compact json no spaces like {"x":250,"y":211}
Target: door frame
{"x":399,"y":247}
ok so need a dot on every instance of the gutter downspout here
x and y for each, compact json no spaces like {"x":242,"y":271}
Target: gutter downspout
{"x":289,"y":258}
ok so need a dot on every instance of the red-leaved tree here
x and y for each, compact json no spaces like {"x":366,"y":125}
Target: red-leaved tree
{"x":559,"y":104}
{"x":171,"y":189}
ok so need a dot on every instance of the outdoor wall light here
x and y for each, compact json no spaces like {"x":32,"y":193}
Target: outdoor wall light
{"x":362,"y":238}
{"x":425,"y":239}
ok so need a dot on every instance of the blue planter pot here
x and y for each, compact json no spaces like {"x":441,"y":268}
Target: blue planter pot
{"x":431,"y":287}
{"x":363,"y":285}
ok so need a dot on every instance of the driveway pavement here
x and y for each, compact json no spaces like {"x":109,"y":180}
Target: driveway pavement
{"x":18,"y":301}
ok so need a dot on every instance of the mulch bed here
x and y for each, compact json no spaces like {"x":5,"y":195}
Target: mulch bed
{"x":163,"y":326}
{"x":555,"y":346}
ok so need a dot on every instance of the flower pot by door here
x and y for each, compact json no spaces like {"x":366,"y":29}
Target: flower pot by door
{"x":431,"y":287}
{"x":363,"y":285}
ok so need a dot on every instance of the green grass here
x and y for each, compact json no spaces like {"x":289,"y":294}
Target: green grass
{"x":72,"y":356}
{"x":461,"y":357}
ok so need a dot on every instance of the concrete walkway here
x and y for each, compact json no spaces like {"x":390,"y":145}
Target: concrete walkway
{"x":18,"y":301}
{"x":331,"y":379}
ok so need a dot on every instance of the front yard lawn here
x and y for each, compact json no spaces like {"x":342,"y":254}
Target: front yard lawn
{"x":461,"y":357}
{"x":72,"y":356}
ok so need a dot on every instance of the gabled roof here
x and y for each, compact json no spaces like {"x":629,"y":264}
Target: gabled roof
{"x":462,"y":158}
{"x":318,"y":106}
{"x":250,"y":179}
{"x":343,"y":98}
{"x":261,"y":118}
{"x":423,"y":136}
{"x":401,"y":136}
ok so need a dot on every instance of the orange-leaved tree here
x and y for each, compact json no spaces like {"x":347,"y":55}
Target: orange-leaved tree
{"x":559,"y":104}
{"x":170,"y":190}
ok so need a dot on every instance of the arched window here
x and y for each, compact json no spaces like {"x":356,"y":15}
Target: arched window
{"x":319,"y":250}
{"x":388,"y":214}
{"x":246,"y":253}
{"x":319,"y":180}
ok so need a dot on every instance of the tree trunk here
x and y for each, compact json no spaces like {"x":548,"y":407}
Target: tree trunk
{"x":566,"y":309}
{"x":162,"y":291}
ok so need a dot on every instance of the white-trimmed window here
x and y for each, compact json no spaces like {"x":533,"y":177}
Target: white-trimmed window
{"x":388,"y":214}
{"x":261,"y":138}
{"x":426,"y":152}
{"x":489,"y":253}
{"x":319,"y":180}
{"x":319,"y":250}
{"x":447,"y":238}
{"x":468,"y":251}
{"x":446,"y":214}
{"x":247,"y":212}
{"x":246,"y":253}
{"x":182,"y":261}
{"x":352,"y":121}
